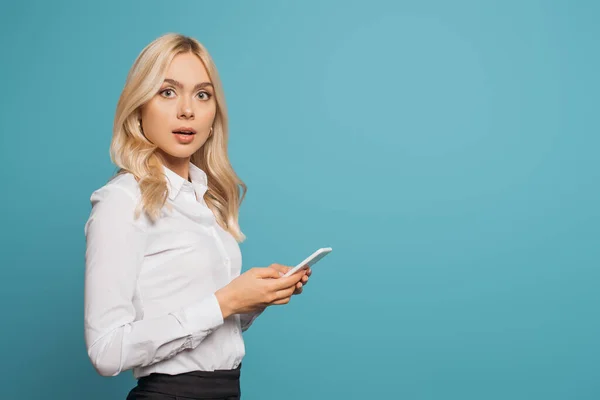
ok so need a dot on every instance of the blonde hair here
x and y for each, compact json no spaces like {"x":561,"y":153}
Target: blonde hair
{"x":133,"y":153}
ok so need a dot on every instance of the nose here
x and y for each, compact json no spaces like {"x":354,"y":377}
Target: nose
{"x":185,"y":110}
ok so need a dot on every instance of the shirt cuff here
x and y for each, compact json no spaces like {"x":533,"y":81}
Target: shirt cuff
{"x":247,"y":319}
{"x":201,"y":319}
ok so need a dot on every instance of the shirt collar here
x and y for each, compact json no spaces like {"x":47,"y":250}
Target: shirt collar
{"x":175,"y":182}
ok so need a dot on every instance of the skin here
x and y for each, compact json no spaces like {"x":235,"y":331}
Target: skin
{"x":173,"y":107}
{"x":186,"y":99}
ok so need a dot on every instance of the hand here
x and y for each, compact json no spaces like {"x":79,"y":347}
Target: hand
{"x":300,"y":285}
{"x":255,"y":290}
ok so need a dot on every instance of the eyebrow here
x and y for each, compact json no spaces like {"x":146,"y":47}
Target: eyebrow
{"x":180,"y":85}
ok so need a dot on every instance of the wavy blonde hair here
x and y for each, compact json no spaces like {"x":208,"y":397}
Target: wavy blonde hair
{"x":132,"y":152}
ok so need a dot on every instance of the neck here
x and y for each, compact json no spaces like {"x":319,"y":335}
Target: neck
{"x":181,"y":166}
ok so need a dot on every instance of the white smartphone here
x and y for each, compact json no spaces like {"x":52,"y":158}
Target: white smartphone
{"x":310,"y":260}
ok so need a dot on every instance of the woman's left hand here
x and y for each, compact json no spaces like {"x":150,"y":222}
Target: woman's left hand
{"x":300,"y":285}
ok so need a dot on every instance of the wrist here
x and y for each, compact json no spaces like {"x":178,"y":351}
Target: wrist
{"x":225,"y":302}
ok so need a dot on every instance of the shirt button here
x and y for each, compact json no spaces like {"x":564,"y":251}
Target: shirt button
{"x":226,"y":261}
{"x":235,"y":331}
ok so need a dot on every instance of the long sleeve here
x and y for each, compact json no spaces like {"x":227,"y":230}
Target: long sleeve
{"x":116,"y":338}
{"x":246,"y":320}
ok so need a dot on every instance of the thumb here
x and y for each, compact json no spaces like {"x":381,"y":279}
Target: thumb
{"x":281,"y":268}
{"x":268,"y":272}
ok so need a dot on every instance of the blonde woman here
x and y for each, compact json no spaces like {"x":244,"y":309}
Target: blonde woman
{"x":164,"y":293}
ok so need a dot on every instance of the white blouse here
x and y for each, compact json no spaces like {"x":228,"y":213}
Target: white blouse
{"x":150,"y":301}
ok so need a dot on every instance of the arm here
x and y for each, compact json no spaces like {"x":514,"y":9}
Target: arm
{"x":114,"y":253}
{"x":246,"y":320}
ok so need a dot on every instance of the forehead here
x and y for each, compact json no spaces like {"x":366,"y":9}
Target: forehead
{"x":188,"y":69}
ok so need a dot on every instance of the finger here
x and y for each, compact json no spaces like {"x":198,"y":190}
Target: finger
{"x":308,"y":272}
{"x":301,"y":271}
{"x":304,"y":279}
{"x":282,"y":294}
{"x":281,"y":268}
{"x":298,"y":291}
{"x":282,"y":301}
{"x":268,"y":272}
{"x":283,"y":283}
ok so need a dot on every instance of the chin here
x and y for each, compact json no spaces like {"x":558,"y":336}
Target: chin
{"x":182,"y":153}
{"x":181,"y":150}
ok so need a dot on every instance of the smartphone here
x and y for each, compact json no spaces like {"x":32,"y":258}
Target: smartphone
{"x":310,"y":260}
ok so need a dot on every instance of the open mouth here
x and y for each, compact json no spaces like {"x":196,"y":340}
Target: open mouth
{"x":184,"y":135}
{"x":189,"y":133}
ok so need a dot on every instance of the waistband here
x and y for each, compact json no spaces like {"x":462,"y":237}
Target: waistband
{"x":194,"y":384}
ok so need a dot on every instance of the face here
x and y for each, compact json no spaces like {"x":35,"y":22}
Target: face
{"x":179,"y":117}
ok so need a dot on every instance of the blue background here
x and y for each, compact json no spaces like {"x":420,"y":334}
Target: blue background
{"x":447,"y":151}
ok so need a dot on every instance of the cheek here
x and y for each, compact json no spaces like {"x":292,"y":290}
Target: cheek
{"x":155,"y":117}
{"x":207,"y":113}
{"x":156,"y":110}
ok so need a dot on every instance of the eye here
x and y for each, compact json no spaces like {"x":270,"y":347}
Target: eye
{"x":162,"y":92}
{"x":207,"y":95}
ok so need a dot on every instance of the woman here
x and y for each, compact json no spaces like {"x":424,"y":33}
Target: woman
{"x":163,"y":290}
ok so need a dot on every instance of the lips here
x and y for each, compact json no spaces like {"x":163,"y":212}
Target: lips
{"x":184,"y":131}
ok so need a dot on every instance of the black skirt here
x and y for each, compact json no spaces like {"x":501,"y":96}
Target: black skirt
{"x":219,"y":384}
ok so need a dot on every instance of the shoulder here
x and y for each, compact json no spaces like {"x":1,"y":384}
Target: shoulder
{"x":114,"y":205}
{"x":122,"y":189}
{"x":117,"y":200}
{"x":114,"y":208}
